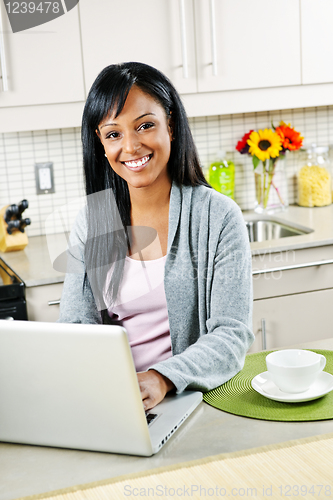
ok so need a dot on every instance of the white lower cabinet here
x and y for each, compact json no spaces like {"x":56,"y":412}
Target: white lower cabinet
{"x":295,"y":305}
{"x":42,"y":302}
{"x":292,"y":319}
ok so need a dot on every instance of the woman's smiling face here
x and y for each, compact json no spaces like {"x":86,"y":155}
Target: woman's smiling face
{"x":137,"y":142}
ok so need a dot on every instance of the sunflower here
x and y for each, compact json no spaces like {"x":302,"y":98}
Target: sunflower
{"x":290,"y":138}
{"x":264,"y":144}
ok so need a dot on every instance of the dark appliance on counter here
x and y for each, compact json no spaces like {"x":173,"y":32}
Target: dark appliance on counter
{"x":12,"y":294}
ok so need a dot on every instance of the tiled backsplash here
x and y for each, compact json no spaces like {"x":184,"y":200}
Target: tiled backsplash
{"x":20,"y":151}
{"x":223,"y":132}
{"x":18,"y":154}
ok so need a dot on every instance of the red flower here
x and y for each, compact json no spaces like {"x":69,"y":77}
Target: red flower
{"x":290,"y":138}
{"x":242,"y":145}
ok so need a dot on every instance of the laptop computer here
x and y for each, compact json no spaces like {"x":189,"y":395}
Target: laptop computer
{"x":75,"y":386}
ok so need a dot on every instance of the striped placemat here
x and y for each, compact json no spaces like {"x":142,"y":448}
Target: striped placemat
{"x":237,"y":396}
{"x":297,"y":469}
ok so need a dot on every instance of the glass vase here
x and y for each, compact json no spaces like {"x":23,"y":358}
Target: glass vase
{"x":271,"y":187}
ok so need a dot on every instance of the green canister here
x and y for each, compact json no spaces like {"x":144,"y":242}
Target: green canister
{"x":221,"y":175}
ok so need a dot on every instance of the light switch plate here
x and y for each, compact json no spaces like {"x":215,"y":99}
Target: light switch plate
{"x":44,"y":178}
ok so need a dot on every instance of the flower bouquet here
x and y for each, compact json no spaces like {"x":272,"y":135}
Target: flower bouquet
{"x":267,"y":148}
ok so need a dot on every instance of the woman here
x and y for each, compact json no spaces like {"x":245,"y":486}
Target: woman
{"x":182,"y":289}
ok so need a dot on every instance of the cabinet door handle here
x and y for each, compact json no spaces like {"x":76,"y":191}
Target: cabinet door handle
{"x":54,"y":302}
{"x":294,"y":266}
{"x":213,"y":36}
{"x":263,"y":334}
{"x":183,"y":37}
{"x":3,"y":56}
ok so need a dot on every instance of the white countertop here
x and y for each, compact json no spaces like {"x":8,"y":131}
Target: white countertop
{"x":30,"y":470}
{"x":318,"y":219}
{"x":34,"y":266}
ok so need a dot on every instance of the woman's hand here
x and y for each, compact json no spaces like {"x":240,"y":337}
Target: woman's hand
{"x":153,"y":387}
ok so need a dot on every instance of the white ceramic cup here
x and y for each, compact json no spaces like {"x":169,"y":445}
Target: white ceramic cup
{"x":294,"y":370}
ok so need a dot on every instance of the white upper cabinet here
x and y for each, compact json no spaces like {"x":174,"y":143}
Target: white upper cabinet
{"x":253,"y":44}
{"x":44,"y":64}
{"x":317,"y":41}
{"x":202,"y":45}
{"x":223,"y":56}
{"x":155,"y":32}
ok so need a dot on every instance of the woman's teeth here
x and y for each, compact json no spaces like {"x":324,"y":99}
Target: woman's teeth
{"x":137,"y":163}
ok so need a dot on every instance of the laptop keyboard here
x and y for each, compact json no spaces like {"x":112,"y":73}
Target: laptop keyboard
{"x":150,"y":417}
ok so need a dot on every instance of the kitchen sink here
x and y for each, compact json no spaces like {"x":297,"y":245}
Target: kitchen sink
{"x":268,"y":228}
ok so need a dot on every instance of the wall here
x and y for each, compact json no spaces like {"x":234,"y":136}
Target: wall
{"x":20,"y":151}
{"x":223,"y":132}
{"x":18,"y":154}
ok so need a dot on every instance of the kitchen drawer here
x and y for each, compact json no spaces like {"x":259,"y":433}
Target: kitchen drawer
{"x":306,"y":279}
{"x":38,"y":298}
{"x":292,"y":319}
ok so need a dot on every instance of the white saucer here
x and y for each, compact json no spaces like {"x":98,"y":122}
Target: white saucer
{"x":263,"y":384}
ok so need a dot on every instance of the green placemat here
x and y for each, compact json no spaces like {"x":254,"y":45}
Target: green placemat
{"x":238,"y":397}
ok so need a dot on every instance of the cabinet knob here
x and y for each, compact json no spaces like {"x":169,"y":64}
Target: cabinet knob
{"x":263,"y":334}
{"x":183,"y":38}
{"x":293,"y":266}
{"x":3,"y":57}
{"x":213,"y":36}
{"x":54,"y":302}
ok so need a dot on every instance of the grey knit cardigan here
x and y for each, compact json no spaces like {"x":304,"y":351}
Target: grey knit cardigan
{"x":208,"y":287}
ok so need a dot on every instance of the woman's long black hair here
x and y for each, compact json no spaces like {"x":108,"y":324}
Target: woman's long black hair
{"x":107,"y":243}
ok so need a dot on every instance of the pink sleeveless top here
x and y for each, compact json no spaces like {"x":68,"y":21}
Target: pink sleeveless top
{"x":141,"y":308}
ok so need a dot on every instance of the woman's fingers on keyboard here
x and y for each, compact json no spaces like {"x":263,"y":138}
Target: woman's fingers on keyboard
{"x":153,"y":388}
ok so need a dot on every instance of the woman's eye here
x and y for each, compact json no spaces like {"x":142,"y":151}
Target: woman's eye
{"x":113,"y":135}
{"x":146,"y":126}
